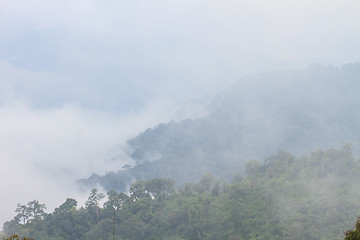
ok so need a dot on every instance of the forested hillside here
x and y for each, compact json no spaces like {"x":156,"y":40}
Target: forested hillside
{"x":295,"y":111}
{"x":286,"y":197}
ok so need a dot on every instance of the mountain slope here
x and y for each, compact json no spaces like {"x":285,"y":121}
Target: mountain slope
{"x":294,"y":111}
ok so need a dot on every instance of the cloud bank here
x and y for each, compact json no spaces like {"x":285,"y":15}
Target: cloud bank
{"x":44,"y":151}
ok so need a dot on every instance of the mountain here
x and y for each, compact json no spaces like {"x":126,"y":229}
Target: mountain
{"x":295,"y":111}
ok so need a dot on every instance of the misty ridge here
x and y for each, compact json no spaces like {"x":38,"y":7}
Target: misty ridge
{"x":293,"y":111}
{"x":180,"y":120}
{"x":274,"y":156}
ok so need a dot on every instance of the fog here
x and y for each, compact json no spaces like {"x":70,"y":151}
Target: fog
{"x":44,"y":151}
{"x":79,"y":78}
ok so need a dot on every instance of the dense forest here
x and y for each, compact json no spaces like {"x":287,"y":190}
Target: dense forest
{"x":285,"y":197}
{"x":293,"y":111}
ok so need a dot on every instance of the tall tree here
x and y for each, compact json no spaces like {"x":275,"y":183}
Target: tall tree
{"x":22,"y":215}
{"x":160,"y":188}
{"x":67,"y":206}
{"x":36,"y":209}
{"x":93,"y":202}
{"x":115,"y":200}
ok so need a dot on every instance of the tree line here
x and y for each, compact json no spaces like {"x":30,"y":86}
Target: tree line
{"x":285,"y":197}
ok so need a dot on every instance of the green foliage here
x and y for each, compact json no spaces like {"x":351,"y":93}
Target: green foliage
{"x":355,"y":233}
{"x":33,"y":211}
{"x":285,"y":198}
{"x":92,"y":204}
{"x":68,"y":206}
{"x":160,"y":188}
{"x":16,"y":237}
{"x":94,"y":198}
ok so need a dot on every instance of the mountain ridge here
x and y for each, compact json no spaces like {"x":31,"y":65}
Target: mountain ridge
{"x":294,"y":111}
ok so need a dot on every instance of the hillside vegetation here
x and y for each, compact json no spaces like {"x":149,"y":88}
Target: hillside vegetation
{"x":294,"y":111}
{"x":285,"y":197}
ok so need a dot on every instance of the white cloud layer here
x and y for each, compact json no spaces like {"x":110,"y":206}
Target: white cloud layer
{"x":183,"y":43}
{"x":44,"y":151}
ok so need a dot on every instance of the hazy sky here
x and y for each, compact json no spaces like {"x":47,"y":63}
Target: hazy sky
{"x":77,"y":78}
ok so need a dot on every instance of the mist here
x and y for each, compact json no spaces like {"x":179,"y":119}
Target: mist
{"x":44,"y":151}
{"x":80,"y":78}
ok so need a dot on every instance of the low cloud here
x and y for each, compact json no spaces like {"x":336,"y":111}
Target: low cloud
{"x":43,"y":151}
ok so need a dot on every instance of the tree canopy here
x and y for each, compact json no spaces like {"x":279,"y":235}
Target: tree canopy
{"x":283,"y":198}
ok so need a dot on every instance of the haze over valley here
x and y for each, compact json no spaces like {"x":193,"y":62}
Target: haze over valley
{"x":100,"y":95}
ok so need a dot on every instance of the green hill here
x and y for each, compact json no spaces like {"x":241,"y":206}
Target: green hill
{"x":285,"y":198}
{"x":295,"y":111}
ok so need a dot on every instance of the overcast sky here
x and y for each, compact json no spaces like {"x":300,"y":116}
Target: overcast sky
{"x":78,"y":78}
